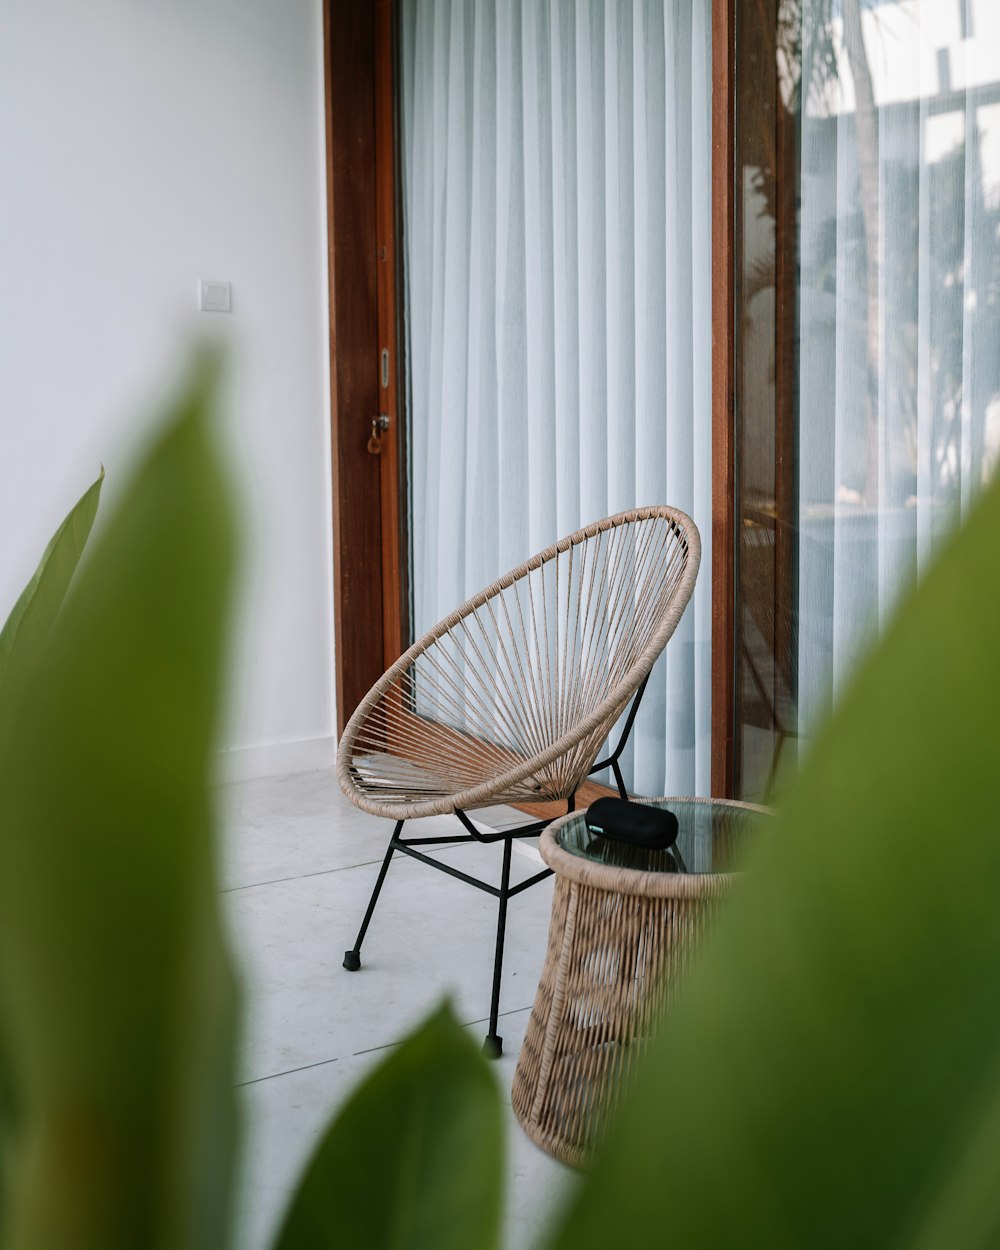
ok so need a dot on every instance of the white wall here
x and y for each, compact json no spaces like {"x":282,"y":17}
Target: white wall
{"x":145,"y":144}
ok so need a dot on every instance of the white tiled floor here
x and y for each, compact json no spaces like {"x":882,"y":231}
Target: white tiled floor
{"x":299,"y":864}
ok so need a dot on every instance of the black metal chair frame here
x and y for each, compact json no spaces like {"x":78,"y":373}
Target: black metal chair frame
{"x":493,"y":1044}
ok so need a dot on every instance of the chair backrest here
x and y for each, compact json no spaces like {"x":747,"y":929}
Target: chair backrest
{"x":511,"y":696}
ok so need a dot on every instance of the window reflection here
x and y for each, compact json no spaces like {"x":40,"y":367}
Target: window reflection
{"x":868,"y":390}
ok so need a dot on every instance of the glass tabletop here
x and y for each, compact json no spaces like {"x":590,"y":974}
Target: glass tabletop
{"x":713,"y":836}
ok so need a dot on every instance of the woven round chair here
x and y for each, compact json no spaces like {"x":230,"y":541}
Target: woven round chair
{"x":510,"y":698}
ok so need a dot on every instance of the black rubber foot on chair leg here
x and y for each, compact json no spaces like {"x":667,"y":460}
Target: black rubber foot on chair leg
{"x":352,"y":960}
{"x":493,"y":1046}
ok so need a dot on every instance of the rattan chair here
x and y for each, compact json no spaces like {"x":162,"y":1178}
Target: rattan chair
{"x":510,"y":698}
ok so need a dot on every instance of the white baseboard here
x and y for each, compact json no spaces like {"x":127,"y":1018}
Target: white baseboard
{"x":274,"y":759}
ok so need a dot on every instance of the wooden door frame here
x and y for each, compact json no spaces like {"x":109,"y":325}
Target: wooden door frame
{"x":369,"y":592}
{"x":392,"y":463}
{"x":724,"y":570}
{"x":730,"y":428}
{"x":369,"y":512}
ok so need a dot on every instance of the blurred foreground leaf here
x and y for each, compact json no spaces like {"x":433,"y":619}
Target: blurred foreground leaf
{"x":830,"y":1075}
{"x":30,"y":623}
{"x":414,"y":1161}
{"x":22,"y":642}
{"x":114,"y":983}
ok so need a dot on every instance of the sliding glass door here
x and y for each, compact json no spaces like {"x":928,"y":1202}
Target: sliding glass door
{"x":867,"y":332}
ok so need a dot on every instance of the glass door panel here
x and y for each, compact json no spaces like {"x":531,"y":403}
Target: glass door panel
{"x":867,"y":322}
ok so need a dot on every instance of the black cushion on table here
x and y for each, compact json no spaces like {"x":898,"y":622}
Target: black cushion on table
{"x":651,"y":827}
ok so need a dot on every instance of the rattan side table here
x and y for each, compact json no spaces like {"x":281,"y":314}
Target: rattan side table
{"x":625,"y":923}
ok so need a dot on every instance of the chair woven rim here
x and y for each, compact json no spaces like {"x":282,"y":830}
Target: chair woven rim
{"x":481,"y":794}
{"x":633,"y":880}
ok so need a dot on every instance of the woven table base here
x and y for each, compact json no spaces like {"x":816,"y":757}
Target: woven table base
{"x":619,"y":943}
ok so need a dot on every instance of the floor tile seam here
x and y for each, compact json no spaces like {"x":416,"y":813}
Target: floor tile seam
{"x":365,"y":863}
{"x":468,"y":1024}
{"x":305,"y":1067}
{"x":299,"y":876}
{"x":370,"y":1050}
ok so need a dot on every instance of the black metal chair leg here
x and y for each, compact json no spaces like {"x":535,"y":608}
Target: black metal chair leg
{"x":352,"y":958}
{"x":612,"y":760}
{"x":493,"y":1045}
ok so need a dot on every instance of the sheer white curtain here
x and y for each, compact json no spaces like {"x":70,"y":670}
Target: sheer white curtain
{"x":899,"y":299}
{"x":556,"y":182}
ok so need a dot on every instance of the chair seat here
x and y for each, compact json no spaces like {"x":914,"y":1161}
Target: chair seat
{"x":479,"y":774}
{"x":510,"y":697}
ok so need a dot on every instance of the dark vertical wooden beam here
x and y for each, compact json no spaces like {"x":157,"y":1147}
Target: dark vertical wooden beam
{"x":723,"y":380}
{"x":786,"y":377}
{"x":392,"y":460}
{"x":349,"y":38}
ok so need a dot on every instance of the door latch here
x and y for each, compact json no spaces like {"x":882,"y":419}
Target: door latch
{"x":379,"y":423}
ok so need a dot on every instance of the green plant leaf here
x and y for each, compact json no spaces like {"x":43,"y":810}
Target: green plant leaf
{"x":115,"y":986}
{"x":30,"y":623}
{"x":414,"y":1161}
{"x":22,"y":642}
{"x":830,"y":1075}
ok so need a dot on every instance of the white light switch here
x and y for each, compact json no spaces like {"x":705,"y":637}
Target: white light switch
{"x":214,"y":296}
